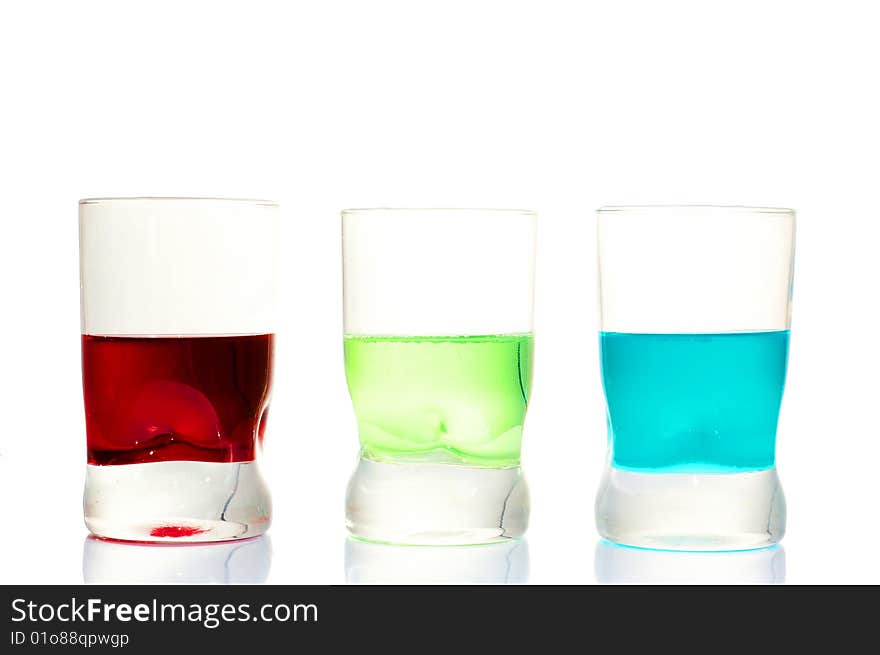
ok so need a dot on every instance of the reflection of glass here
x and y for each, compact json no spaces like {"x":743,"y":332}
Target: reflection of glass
{"x":372,"y":563}
{"x":438,"y":358}
{"x":245,"y":561}
{"x":622,"y":564}
{"x":177,"y":323}
{"x":695,"y":311}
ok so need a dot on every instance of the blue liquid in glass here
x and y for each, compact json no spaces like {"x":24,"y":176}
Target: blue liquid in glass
{"x":693,"y":403}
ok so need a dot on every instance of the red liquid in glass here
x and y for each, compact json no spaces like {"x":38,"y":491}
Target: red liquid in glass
{"x":159,"y":399}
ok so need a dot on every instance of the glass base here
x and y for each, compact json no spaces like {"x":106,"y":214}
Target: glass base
{"x":436,"y":504}
{"x":176,"y":501}
{"x":624,"y":565}
{"x":243,"y":561}
{"x":690,"y":511}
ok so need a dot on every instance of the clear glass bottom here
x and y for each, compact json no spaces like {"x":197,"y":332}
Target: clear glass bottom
{"x":176,"y":501}
{"x":623,"y":565}
{"x":243,"y":561}
{"x":436,"y":504}
{"x":691,"y":511}
{"x":372,"y":563}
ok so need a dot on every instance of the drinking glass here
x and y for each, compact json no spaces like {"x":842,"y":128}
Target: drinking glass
{"x":177,"y":341}
{"x":438,"y":358}
{"x":695,"y":312}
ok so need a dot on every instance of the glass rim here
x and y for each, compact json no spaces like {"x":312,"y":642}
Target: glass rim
{"x":723,"y":209}
{"x":257,"y":202}
{"x":435,"y":210}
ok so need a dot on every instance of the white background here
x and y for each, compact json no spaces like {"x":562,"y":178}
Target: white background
{"x":555,"y":106}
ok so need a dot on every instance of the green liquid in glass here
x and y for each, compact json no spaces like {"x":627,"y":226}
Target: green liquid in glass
{"x":440,"y":399}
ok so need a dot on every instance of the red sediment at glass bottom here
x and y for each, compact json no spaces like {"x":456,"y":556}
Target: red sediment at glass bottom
{"x":176,"y":531}
{"x":160,"y":399}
